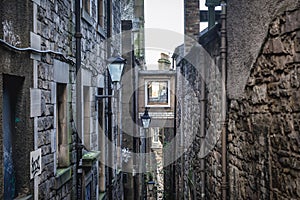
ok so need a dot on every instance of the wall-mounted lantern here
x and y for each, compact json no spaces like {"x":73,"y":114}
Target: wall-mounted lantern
{"x":115,"y":68}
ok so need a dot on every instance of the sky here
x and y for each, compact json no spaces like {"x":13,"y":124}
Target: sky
{"x":164,"y":28}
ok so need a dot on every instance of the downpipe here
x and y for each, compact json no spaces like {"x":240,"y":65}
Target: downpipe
{"x":223,"y":52}
{"x":78,"y":146}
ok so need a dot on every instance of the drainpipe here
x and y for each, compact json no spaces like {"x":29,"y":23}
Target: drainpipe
{"x":174,"y":193}
{"x":223,"y":55}
{"x":135,"y":147}
{"x":202,"y":129}
{"x":109,"y":104}
{"x":78,"y":37}
{"x":211,"y":16}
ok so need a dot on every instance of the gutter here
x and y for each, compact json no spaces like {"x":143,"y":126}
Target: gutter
{"x":223,"y":52}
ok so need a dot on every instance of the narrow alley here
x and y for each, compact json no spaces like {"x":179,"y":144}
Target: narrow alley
{"x":150,"y":99}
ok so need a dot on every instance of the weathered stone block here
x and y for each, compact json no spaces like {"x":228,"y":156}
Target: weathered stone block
{"x":35,"y":102}
{"x":295,"y":103}
{"x":259,"y":93}
{"x":292,"y":21}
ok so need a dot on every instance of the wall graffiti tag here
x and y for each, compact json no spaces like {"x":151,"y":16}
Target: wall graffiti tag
{"x":35,"y":163}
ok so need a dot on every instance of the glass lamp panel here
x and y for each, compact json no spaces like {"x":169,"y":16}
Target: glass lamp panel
{"x":146,"y":123}
{"x":115,"y":71}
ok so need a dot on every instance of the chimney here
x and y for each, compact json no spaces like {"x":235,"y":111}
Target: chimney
{"x":164,"y":63}
{"x":191,"y":23}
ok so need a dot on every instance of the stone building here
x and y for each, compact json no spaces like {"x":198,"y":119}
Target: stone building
{"x":133,"y":50}
{"x":156,"y":94}
{"x":252,"y":151}
{"x":50,"y":113}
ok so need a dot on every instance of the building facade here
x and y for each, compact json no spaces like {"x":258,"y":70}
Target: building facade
{"x":250,"y":152}
{"x":54,"y":129}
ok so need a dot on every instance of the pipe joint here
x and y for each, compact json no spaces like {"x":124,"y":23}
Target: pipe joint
{"x":78,"y":35}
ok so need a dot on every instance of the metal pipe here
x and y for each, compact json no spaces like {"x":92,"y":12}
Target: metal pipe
{"x":56,"y":53}
{"x":202,"y":129}
{"x":78,"y":37}
{"x":211,"y":16}
{"x":135,"y":126}
{"x":109,"y":103}
{"x":223,"y":52}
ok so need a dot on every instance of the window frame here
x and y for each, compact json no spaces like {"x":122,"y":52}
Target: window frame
{"x":148,"y":103}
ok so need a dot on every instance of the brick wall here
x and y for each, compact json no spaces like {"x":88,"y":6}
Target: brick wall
{"x":191,"y":23}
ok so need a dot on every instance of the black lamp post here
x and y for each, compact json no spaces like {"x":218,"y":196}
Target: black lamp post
{"x":145,"y":119}
{"x":115,"y":67}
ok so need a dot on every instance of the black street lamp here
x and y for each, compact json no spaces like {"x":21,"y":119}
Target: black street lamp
{"x":150,"y":185}
{"x":146,"y":119}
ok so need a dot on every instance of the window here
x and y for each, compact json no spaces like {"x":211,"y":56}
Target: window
{"x":61,"y":129}
{"x":155,"y":135}
{"x":101,"y":12}
{"x":157,"y":93}
{"x":101,"y":141}
{"x":87,"y":119}
{"x":86,"y":4}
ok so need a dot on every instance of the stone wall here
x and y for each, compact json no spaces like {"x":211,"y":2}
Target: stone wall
{"x":197,"y":68}
{"x":248,"y":21}
{"x":15,"y":19}
{"x":53,"y":29}
{"x":49,"y":25}
{"x":211,"y":144}
{"x":263,"y":128}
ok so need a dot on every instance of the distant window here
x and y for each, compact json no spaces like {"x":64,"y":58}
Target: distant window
{"x":156,"y":135}
{"x":101,"y":141}
{"x":157,"y":93}
{"x":87,"y":117}
{"x":101,"y":12}
{"x":86,"y":4}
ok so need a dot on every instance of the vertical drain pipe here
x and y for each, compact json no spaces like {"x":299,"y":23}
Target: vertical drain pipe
{"x":223,"y":52}
{"x":78,"y":146}
{"x":109,"y":104}
{"x":202,"y":129}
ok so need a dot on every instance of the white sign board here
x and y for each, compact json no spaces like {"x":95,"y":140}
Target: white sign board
{"x":35,"y":163}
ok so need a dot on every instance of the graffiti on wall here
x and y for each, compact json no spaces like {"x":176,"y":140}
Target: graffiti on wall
{"x":35,"y":163}
{"x":9,"y":35}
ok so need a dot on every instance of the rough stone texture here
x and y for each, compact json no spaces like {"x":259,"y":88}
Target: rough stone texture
{"x":198,"y":65}
{"x":49,"y":25}
{"x":263,"y":127}
{"x":247,"y":28}
{"x":15,"y":20}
